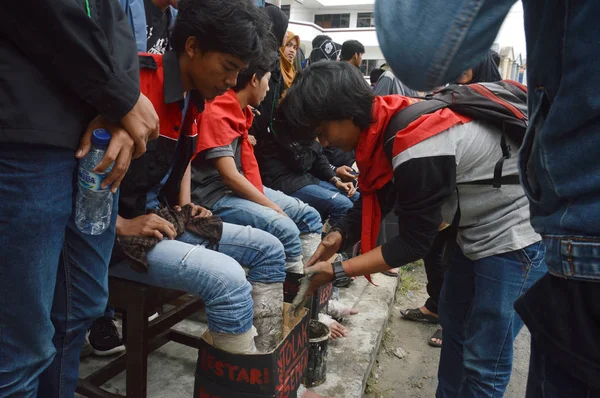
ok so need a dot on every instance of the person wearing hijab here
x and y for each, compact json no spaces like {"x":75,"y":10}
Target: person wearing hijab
{"x":485,"y":71}
{"x":288,"y":52}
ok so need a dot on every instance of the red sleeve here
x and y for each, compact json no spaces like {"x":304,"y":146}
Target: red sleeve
{"x":221,"y":122}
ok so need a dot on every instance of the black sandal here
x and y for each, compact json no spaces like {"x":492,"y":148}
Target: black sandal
{"x":415,"y":314}
{"x":438,"y":336}
{"x":390,"y":273}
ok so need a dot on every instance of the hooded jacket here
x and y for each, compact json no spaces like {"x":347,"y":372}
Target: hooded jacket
{"x":62,"y":65}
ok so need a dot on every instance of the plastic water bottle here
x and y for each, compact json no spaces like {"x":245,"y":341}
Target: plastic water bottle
{"x":94,"y":204}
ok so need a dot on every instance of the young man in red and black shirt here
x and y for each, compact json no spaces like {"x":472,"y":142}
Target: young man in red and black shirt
{"x":434,"y":162}
{"x":212,"y":42}
{"x":226,"y":176}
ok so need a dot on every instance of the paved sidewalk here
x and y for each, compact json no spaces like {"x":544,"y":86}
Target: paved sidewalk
{"x":351,"y":359}
{"x":171,"y":368}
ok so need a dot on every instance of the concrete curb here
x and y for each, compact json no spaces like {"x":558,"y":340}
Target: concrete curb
{"x":351,"y":359}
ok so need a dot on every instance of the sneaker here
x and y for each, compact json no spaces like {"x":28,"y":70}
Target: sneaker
{"x":86,"y":350}
{"x":104,"y":337}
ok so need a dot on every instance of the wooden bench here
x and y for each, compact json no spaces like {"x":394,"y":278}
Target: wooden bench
{"x":141,"y":337}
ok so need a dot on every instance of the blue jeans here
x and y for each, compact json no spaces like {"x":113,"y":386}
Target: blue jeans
{"x":53,"y":279}
{"x":558,"y":159}
{"x":479,"y":322}
{"x":327,"y":199}
{"x":302,"y":218}
{"x":216,"y":276}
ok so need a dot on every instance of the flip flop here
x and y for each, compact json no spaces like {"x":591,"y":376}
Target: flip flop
{"x":438,"y":336}
{"x":390,"y":273}
{"x":415,"y":314}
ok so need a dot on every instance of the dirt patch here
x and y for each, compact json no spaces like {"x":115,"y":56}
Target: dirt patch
{"x":406,"y":366}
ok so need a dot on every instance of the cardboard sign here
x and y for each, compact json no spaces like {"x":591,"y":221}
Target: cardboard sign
{"x":275,"y":374}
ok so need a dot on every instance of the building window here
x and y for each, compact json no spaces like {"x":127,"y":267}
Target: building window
{"x":365,"y":20}
{"x":327,"y":21}
{"x":286,"y":10}
{"x":368,"y":65}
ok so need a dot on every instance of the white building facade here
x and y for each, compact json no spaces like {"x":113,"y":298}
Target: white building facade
{"x":339,"y":19}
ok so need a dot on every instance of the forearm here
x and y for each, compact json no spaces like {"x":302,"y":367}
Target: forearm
{"x":185,"y":192}
{"x":121,"y":225}
{"x":368,"y":263}
{"x":351,"y":224}
{"x":246,"y":190}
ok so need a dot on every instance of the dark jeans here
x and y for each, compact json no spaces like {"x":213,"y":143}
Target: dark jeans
{"x":480,"y":324}
{"x":53,"y":279}
{"x":329,"y":201}
{"x":435,"y":267}
{"x":548,"y":380}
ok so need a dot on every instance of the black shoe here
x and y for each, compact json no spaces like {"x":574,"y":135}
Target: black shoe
{"x":104,"y":337}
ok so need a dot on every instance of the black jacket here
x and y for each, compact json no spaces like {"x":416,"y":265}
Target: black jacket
{"x":285,"y":165}
{"x":60,"y":68}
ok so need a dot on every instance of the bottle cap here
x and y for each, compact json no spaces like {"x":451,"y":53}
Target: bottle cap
{"x":101,"y":138}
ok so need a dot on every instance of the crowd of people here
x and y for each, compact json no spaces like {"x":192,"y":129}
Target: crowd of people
{"x":233,"y":163}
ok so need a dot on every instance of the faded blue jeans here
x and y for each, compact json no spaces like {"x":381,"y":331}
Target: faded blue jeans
{"x":329,"y":201}
{"x":215,"y":274}
{"x":301,"y":218}
{"x":53,"y":279}
{"x":479,"y":322}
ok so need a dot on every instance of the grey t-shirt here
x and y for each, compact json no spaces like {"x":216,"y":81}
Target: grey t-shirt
{"x":493,"y":220}
{"x":207,"y":185}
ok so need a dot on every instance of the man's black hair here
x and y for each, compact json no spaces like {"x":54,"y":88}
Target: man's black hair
{"x":325,"y":91}
{"x":235,"y":27}
{"x":259,"y":67}
{"x":375,"y":75}
{"x":351,"y":47}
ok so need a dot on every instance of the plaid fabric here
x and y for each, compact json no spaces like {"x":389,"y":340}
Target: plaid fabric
{"x":135,"y":248}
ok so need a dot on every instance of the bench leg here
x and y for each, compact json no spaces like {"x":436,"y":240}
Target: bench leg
{"x":136,"y":324}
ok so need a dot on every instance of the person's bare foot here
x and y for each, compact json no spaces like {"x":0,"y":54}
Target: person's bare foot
{"x":338,"y":311}
{"x":349,"y":311}
{"x":393,"y":272}
{"x":425,"y":311}
{"x":420,"y":314}
{"x":436,"y":339}
{"x":337,"y":330}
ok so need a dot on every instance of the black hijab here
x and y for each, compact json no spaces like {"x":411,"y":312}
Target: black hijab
{"x":486,"y":70}
{"x":280,"y":22}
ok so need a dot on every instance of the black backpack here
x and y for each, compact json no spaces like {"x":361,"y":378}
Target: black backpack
{"x":503,"y":104}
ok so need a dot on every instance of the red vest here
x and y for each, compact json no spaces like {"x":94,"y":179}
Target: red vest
{"x":169,"y":154}
{"x":152,"y":86}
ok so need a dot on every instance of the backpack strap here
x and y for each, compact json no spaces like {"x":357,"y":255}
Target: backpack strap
{"x":406,"y":116}
{"x":497,"y":183}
